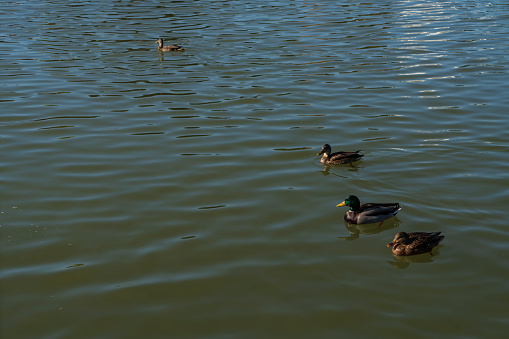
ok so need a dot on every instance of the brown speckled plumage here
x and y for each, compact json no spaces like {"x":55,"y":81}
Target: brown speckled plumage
{"x":415,"y":242}
{"x":338,"y":158}
{"x":167,"y":48}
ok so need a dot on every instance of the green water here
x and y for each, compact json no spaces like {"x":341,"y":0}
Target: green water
{"x":179,"y":195}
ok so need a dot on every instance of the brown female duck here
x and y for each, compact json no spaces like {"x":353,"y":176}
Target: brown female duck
{"x":368,"y":213}
{"x":167,"y":48}
{"x":415,"y":242}
{"x":338,"y":158}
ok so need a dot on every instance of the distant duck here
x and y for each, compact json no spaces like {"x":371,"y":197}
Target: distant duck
{"x":168,"y":47}
{"x":338,"y":158}
{"x":415,"y":242}
{"x":368,"y":213}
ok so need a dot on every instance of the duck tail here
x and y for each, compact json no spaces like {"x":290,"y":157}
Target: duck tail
{"x":397,"y":208}
{"x":438,"y":237}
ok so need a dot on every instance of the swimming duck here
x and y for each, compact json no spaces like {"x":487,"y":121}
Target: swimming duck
{"x":338,"y":158}
{"x":415,"y":242}
{"x":168,"y":47}
{"x":368,"y":213}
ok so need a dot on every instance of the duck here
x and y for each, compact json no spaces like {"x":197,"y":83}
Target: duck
{"x":415,"y":242}
{"x":338,"y":158}
{"x":168,"y":47}
{"x":368,"y":213}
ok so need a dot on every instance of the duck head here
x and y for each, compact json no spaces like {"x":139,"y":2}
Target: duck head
{"x":352,"y":201}
{"x":325,"y":149}
{"x":399,"y":238}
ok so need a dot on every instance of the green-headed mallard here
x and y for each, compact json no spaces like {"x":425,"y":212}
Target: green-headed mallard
{"x":338,"y":158}
{"x":368,"y":213}
{"x":415,"y":242}
{"x":169,"y":47}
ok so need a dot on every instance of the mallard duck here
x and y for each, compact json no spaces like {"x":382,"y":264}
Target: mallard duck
{"x":415,"y":242}
{"x":338,"y":158}
{"x":368,"y":213}
{"x":168,"y":47}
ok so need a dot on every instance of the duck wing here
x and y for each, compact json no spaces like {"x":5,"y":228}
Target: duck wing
{"x":173,"y":48}
{"x":345,"y":157}
{"x":379,"y":208}
{"x":423,"y":242}
{"x":373,"y":213}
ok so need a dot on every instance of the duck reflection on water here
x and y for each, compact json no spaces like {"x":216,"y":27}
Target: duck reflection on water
{"x":370,"y":229}
{"x":403,"y":262}
{"x":352,"y":168}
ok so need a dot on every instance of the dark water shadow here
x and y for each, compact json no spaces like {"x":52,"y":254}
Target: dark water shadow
{"x":370,"y":229}
{"x":403,"y":262}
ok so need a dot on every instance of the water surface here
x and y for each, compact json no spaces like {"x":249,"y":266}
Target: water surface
{"x":178,"y":194}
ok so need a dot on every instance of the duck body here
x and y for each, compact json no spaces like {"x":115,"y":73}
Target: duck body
{"x":415,"y":243}
{"x":368,"y":213}
{"x":167,"y":48}
{"x":338,"y":158}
